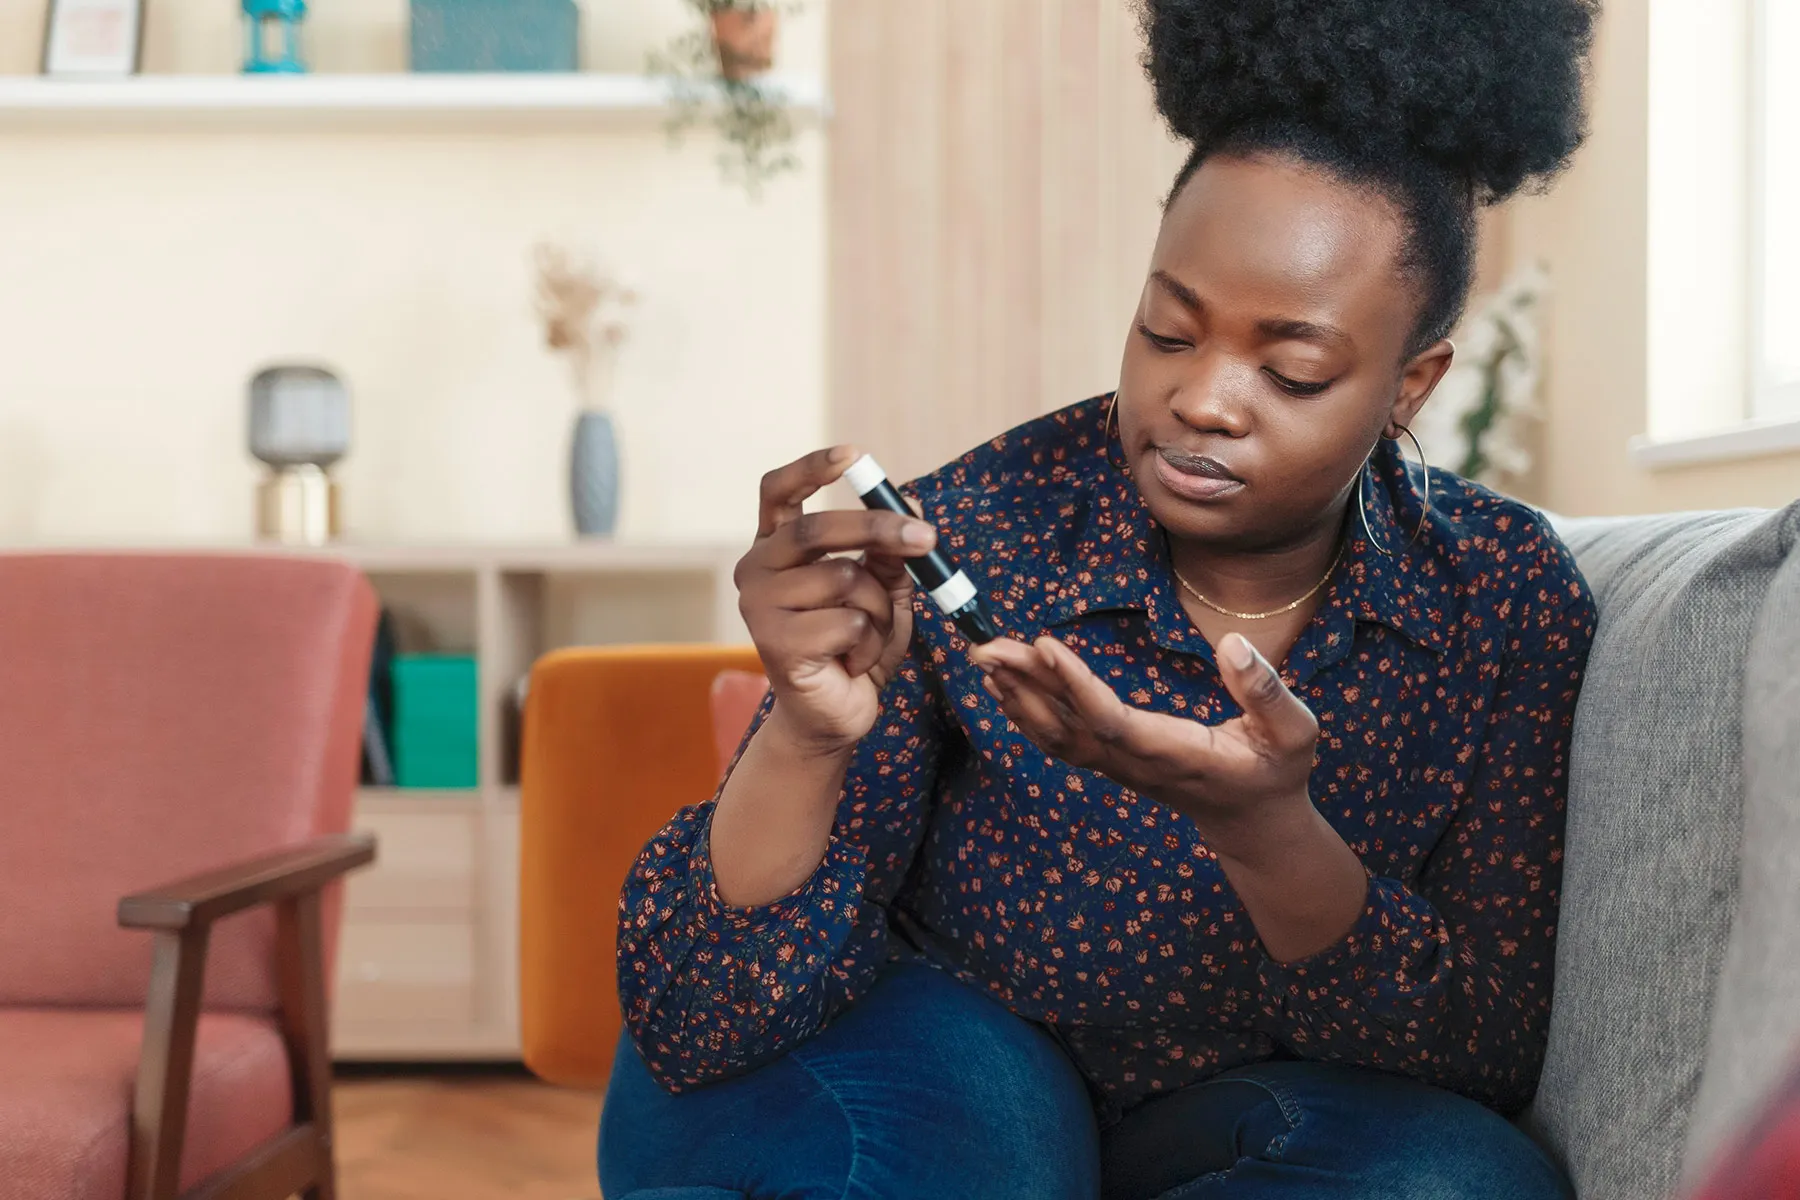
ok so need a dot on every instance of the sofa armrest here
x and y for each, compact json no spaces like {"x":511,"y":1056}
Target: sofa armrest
{"x":202,"y":899}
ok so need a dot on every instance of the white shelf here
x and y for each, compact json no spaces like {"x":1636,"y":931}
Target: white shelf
{"x":590,"y":97}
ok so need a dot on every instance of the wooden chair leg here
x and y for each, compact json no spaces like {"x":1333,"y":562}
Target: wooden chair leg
{"x":166,"y":1064}
{"x":300,"y":955}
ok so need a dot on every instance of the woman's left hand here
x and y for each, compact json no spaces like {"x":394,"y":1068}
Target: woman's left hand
{"x":1231,"y":779}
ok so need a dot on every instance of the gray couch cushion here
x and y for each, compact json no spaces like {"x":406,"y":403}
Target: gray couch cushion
{"x":1655,"y":802}
{"x":1756,"y":1015}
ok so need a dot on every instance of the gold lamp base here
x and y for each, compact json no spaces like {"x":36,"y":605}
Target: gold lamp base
{"x":298,"y":505}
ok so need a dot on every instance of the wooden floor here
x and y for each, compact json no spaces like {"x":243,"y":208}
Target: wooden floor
{"x":473,"y":1135}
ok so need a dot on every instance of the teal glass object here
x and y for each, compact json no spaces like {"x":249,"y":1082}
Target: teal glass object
{"x":272,"y":37}
{"x":496,"y":35}
{"x":436,"y":713}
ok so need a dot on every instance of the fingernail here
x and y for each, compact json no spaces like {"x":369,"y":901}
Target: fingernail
{"x":840,"y":454}
{"x":1239,"y":652}
{"x":919,"y":536}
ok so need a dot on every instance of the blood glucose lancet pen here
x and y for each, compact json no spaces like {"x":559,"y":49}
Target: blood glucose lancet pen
{"x":949,"y":589}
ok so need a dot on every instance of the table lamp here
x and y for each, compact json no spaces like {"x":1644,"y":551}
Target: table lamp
{"x":299,"y":427}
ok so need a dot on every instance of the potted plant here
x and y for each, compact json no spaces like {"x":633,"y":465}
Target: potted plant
{"x":743,"y":34}
{"x":1482,"y":417}
{"x":582,"y":309}
{"x":716,"y":69}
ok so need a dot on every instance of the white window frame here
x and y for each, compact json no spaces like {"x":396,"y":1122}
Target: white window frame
{"x":1770,"y":398}
{"x":1713,"y":397}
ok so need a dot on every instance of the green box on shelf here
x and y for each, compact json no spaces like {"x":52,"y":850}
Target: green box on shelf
{"x":496,"y":35}
{"x":436,"y":714}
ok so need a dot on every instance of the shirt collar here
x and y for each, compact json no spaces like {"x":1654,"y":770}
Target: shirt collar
{"x":1116,"y":558}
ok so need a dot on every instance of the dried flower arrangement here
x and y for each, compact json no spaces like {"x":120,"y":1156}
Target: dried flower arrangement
{"x":582,"y":308}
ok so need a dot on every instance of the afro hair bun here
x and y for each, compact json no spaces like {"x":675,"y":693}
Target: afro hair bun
{"x":1487,"y":90}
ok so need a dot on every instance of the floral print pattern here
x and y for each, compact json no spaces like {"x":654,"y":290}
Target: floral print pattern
{"x":1443,"y":669}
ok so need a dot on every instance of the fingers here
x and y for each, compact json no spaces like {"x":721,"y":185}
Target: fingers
{"x":811,"y":536}
{"x":1038,"y":714}
{"x":785,"y":489}
{"x":868,"y":652}
{"x":1034,"y":693}
{"x":1125,"y":733}
{"x":826,"y":633}
{"x":834,"y":584}
{"x":1003,"y":652}
{"x":1097,"y":705}
{"x":890,"y":573}
{"x":1281,"y":720}
{"x":890,"y":569}
{"x":799,"y":565}
{"x":831,"y":583}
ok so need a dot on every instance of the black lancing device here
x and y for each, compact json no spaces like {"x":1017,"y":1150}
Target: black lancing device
{"x":949,"y":589}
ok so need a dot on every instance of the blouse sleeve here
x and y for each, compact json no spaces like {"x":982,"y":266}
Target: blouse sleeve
{"x":710,"y":991}
{"x":1450,"y":981}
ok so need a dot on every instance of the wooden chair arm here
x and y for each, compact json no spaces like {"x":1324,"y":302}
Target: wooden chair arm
{"x":202,"y":899}
{"x":182,"y":914}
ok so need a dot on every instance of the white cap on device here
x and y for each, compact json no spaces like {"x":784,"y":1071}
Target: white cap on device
{"x":864,"y":475}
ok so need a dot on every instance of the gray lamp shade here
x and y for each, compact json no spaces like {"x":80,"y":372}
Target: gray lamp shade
{"x":298,"y":415}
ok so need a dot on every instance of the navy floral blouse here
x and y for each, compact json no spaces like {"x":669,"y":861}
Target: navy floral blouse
{"x":1443,"y":673}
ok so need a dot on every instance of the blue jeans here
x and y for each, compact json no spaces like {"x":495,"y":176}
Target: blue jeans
{"x":926,"y":1088}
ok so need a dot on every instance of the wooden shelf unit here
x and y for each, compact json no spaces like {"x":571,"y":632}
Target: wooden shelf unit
{"x":428,"y":965}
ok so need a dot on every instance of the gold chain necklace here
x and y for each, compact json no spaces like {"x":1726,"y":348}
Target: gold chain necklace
{"x":1273,"y":612}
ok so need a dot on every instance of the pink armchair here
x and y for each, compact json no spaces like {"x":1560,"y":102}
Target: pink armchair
{"x":193,"y":719}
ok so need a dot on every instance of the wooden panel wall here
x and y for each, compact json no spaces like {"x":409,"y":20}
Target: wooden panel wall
{"x":997,"y":174}
{"x":997,"y":169}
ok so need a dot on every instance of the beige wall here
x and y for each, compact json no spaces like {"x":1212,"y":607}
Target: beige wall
{"x":148,"y":274}
{"x":1593,"y":231}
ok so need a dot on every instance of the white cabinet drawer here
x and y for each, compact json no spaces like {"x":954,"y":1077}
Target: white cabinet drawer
{"x":406,"y":971}
{"x":424,"y":862}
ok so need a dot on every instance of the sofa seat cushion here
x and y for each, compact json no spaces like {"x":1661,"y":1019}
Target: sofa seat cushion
{"x":66,"y":1083}
{"x":1656,"y":805}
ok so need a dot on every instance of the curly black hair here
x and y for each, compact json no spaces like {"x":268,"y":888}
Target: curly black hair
{"x":1443,"y":105}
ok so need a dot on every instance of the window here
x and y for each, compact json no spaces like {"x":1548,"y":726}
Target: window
{"x":1722,"y":260}
{"x":1775,"y":210}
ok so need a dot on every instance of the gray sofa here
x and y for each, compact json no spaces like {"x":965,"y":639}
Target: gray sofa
{"x":1678,"y":958}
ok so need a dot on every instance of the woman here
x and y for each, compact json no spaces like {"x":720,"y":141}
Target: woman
{"x":1113,"y":905}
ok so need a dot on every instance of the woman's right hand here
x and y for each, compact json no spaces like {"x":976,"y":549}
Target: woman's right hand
{"x":830,"y":631}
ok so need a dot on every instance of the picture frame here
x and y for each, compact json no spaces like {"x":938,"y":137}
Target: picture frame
{"x":93,"y":39}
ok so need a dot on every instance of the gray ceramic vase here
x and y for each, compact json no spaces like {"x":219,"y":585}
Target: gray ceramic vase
{"x":594,"y":475}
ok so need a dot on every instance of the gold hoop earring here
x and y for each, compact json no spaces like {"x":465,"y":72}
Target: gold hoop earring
{"x":1362,"y":507}
{"x":1425,"y":504}
{"x":1424,"y":511}
{"x":1107,"y":428}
